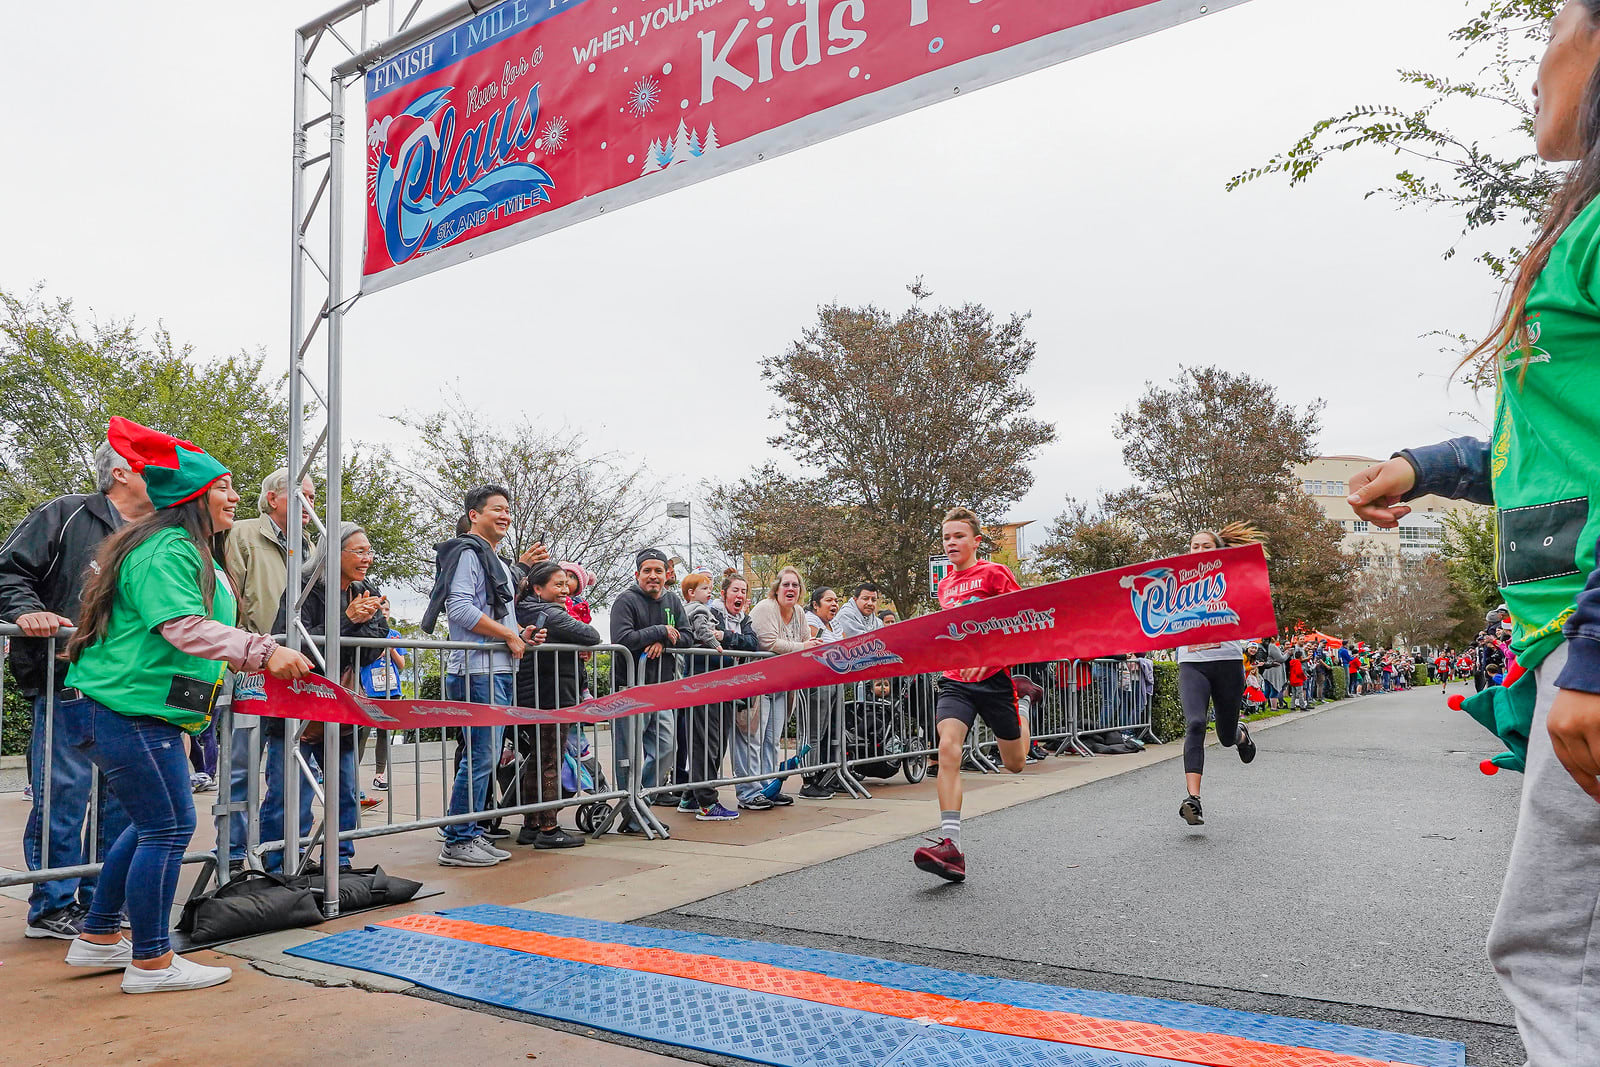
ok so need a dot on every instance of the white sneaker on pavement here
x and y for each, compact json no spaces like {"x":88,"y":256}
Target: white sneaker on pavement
{"x":83,"y":953}
{"x":487,"y":846}
{"x":465,"y":854}
{"x":180,"y":974}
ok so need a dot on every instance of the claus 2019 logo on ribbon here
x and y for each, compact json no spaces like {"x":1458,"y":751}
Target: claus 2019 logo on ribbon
{"x":844,"y":659}
{"x":1168,"y":602}
{"x":432,"y":184}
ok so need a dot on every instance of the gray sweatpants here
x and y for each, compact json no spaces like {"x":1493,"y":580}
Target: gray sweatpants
{"x":1545,"y":942}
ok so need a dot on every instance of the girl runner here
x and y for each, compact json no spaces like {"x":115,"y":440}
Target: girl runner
{"x":1212,"y":676}
{"x":968,"y":694}
{"x":1542,"y":472}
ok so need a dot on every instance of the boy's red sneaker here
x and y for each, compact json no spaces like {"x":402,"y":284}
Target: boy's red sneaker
{"x":943,"y":859}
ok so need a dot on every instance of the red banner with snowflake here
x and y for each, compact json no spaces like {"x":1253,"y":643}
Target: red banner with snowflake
{"x":536,"y":114}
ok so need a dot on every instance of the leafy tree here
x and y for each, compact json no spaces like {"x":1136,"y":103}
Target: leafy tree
{"x":1214,"y":448}
{"x":892,"y":419}
{"x":1468,"y":553}
{"x":62,"y":379}
{"x":1487,"y":176}
{"x":1402,"y":598}
{"x":1082,"y":541}
{"x":378,"y":493}
{"x":597,"y":507}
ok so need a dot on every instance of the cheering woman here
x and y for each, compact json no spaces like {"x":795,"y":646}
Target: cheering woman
{"x":155,"y":635}
{"x":1541,"y":471}
{"x":1212,"y":676}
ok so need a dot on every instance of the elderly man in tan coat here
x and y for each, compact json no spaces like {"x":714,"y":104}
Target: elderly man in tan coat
{"x":257,"y":558}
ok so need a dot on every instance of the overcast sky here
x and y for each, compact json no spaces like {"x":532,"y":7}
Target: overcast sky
{"x":147,"y":172}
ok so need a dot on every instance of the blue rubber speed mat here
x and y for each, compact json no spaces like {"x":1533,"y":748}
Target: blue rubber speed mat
{"x":768,"y":1027}
{"x":759,"y":1027}
{"x":1270,"y":1029}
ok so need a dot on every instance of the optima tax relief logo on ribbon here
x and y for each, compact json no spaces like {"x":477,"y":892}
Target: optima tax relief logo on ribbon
{"x":1024,"y":621}
{"x":1168,"y":601}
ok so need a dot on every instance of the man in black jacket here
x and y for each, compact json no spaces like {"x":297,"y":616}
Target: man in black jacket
{"x":645,"y":622}
{"x":43,"y":567}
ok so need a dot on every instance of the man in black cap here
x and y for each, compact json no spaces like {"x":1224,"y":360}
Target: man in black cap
{"x":645,"y":620}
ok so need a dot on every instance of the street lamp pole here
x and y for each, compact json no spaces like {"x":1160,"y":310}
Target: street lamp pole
{"x":680,"y":509}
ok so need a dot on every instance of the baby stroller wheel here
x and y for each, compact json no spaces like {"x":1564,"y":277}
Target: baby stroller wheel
{"x":589,"y":816}
{"x":915,"y":768}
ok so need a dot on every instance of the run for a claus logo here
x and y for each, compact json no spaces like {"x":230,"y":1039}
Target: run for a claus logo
{"x":1167,"y":601}
{"x":848,"y":656}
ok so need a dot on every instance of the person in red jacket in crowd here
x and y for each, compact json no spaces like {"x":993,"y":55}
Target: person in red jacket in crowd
{"x":1297,"y":678}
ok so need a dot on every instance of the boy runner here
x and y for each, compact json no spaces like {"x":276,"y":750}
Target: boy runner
{"x":968,"y":694}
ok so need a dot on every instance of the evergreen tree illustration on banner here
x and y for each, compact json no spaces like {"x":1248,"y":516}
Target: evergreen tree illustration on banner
{"x":686,"y":144}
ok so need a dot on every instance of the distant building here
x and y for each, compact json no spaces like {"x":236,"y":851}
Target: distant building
{"x":1326,"y":480}
{"x":1007,"y":538}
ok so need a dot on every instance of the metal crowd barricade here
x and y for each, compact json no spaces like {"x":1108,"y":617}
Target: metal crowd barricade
{"x":43,"y":735}
{"x":1116,"y":701}
{"x":728,"y":744}
{"x":888,"y":727}
{"x":410,"y":801}
{"x":516,"y":784}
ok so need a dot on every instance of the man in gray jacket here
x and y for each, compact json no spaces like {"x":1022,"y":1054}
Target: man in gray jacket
{"x":645,"y":619}
{"x":861,"y":614}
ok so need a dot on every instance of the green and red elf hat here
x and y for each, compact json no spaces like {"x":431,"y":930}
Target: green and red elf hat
{"x":175,"y":471}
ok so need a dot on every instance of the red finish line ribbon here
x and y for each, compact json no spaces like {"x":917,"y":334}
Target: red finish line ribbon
{"x":1199,"y":598}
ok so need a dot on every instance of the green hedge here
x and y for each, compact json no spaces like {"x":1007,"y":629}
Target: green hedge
{"x":1166,"y":713}
{"x":1419,"y":675}
{"x":1341,"y":685}
{"x":18,"y":718}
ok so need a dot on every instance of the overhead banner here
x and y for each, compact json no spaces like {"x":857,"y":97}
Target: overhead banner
{"x":1187,"y":600}
{"x":536,"y":114}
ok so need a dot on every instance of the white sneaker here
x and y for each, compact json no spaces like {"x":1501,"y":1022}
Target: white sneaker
{"x":180,"y":974}
{"x":83,"y":953}
{"x":487,"y":846}
{"x":465,"y":854}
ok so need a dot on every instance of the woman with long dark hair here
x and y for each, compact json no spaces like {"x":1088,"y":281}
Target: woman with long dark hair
{"x":546,"y":679}
{"x":1541,"y":471}
{"x":155,"y":634}
{"x":1212,"y":677}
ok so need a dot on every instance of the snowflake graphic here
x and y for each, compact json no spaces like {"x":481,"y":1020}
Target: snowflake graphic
{"x":555,"y":134}
{"x":643,"y":97}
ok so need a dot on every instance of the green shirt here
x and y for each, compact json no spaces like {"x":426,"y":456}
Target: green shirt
{"x":132,"y":669}
{"x":1545,"y":457}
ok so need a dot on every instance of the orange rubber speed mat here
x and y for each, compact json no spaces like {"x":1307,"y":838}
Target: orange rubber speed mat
{"x":1211,"y":1050}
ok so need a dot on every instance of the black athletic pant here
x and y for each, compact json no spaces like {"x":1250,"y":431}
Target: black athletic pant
{"x":1215,"y":682}
{"x":710,"y":728}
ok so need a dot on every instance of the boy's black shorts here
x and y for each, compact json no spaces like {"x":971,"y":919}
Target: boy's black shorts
{"x":994,"y":700}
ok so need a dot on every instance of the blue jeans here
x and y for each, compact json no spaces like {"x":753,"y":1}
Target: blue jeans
{"x":482,"y":752}
{"x":245,"y":741}
{"x":658,"y":741}
{"x":71,"y":775}
{"x":272,"y":799}
{"x":147,"y":770}
{"x":755,"y":751}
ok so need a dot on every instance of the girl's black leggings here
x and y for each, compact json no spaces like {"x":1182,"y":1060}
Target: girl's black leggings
{"x":1215,"y":682}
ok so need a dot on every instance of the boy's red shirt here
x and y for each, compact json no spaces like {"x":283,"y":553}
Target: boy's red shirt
{"x":982,"y":580}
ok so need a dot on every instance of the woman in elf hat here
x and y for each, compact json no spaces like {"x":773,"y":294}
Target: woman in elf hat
{"x":1541,"y":471}
{"x":154,"y":637}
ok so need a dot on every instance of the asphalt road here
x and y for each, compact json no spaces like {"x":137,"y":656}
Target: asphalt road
{"x":1350,"y":875}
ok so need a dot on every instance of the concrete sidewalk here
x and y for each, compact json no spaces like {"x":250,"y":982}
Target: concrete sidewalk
{"x":62,"y":1015}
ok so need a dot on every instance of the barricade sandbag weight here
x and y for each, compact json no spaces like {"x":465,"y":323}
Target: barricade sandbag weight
{"x":253,"y":902}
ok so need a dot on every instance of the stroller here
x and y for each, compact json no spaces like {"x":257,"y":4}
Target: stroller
{"x":580,"y":773}
{"x":880,"y":731}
